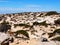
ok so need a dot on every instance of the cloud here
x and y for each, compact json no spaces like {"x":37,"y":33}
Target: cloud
{"x":26,"y":8}
{"x":32,"y":6}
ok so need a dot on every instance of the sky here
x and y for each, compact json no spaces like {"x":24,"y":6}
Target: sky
{"x":15,"y":6}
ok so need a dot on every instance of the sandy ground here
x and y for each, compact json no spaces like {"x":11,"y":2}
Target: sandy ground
{"x":34,"y":42}
{"x":24,"y":42}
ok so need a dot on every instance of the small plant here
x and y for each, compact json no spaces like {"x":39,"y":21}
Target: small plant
{"x":22,"y":32}
{"x":56,"y":39}
{"x":51,"y":13}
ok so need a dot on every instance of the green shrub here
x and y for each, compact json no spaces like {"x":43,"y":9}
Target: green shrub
{"x":36,"y":23}
{"x":22,"y":25}
{"x":57,"y":31}
{"x":40,"y":15}
{"x":4,"y":26}
{"x":42,"y":23}
{"x":56,"y":39}
{"x":51,"y":13}
{"x":22,"y":32}
{"x":51,"y":34}
{"x":57,"y":21}
{"x":4,"y":22}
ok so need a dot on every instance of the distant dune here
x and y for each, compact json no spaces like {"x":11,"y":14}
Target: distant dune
{"x":30,"y":28}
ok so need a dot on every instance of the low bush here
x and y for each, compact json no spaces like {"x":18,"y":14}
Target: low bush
{"x":56,"y":39}
{"x":36,"y":23}
{"x":51,"y":13}
{"x":4,"y":27}
{"x":51,"y":35}
{"x":57,"y":31}
{"x":42,"y":23}
{"x":22,"y":32}
{"x":57,"y":21}
{"x":22,"y":25}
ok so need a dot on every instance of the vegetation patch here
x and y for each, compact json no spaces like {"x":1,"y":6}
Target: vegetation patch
{"x":36,"y":23}
{"x":22,"y":25}
{"x":40,"y":15}
{"x":22,"y":32}
{"x":57,"y":31}
{"x":51,"y":13}
{"x":57,"y":21}
{"x":42,"y":23}
{"x":56,"y":39}
{"x":51,"y":35}
{"x":4,"y":26}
